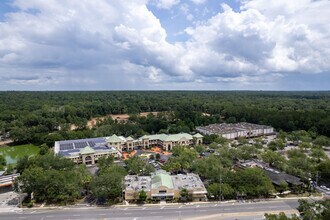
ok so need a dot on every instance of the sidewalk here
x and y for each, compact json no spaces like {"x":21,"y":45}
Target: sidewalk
{"x":87,"y":206}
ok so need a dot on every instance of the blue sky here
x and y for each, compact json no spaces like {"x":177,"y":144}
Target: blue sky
{"x":164,"y":44}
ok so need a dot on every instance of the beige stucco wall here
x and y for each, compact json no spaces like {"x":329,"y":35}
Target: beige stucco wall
{"x":131,"y":195}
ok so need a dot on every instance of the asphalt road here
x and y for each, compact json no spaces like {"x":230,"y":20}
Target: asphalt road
{"x":241,"y":211}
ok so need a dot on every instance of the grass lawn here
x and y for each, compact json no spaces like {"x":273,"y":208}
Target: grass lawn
{"x":13,"y":153}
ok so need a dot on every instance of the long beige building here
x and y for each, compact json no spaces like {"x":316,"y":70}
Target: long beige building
{"x":85,"y":151}
{"x":163,"y":186}
{"x":165,"y":141}
{"x":88,"y":151}
{"x":233,"y":131}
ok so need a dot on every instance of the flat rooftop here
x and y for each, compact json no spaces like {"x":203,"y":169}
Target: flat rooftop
{"x":137,"y":183}
{"x":189,"y":181}
{"x":74,"y":147}
{"x":225,"y":128}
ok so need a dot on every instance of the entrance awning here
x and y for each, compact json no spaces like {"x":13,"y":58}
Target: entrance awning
{"x":162,"y":194}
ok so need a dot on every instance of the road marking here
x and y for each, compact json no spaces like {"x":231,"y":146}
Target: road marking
{"x":215,"y":205}
{"x":144,"y":208}
{"x":162,"y":207}
{"x":126,"y":208}
{"x":197,"y":206}
{"x":180,"y":207}
{"x":49,"y":216}
{"x":32,"y":212}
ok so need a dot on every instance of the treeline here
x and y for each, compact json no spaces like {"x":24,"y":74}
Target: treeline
{"x":30,"y":117}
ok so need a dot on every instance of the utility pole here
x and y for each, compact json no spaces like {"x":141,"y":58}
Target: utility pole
{"x":122,"y":194}
{"x":220,"y":197}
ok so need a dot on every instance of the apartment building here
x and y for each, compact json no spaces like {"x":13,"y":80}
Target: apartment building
{"x":234,"y":131}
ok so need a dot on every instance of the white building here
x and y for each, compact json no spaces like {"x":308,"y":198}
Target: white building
{"x":163,"y":186}
{"x":165,"y":141}
{"x":234,"y":131}
{"x":88,"y":151}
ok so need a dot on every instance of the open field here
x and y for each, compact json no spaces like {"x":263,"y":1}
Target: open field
{"x":119,"y":117}
{"x":13,"y":153}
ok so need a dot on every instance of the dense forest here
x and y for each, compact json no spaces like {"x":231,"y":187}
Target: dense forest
{"x":36,"y":117}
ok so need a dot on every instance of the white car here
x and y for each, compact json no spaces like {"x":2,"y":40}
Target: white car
{"x":324,"y":187}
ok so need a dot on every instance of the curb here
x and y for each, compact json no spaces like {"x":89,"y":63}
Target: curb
{"x":166,"y":204}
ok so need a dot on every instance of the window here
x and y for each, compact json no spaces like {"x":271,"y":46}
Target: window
{"x":162,"y":191}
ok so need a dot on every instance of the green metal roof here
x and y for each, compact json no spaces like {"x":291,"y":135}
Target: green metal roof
{"x":177,"y":137}
{"x":170,"y":137}
{"x":198,"y":135}
{"x":161,"y":179}
{"x":114,"y":139}
{"x":87,"y":150}
{"x":129,"y":139}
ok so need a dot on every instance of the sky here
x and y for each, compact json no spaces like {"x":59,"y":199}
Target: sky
{"x":165,"y":45}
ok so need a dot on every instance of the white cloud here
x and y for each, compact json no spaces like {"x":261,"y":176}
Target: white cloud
{"x":197,"y":2}
{"x":113,"y":44}
{"x":261,"y":41}
{"x":190,"y":17}
{"x":80,"y":35}
{"x":166,"y":4}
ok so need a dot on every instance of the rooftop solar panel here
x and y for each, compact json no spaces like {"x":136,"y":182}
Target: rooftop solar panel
{"x":80,"y":145}
{"x":66,"y":146}
{"x":91,"y":143}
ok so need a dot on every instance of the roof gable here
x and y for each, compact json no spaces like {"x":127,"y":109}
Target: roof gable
{"x":198,"y":135}
{"x":87,"y":150}
{"x":114,"y":139}
{"x":161,"y":179}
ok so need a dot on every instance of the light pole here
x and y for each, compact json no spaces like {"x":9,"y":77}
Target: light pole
{"x":122,"y":190}
{"x":220,"y":196}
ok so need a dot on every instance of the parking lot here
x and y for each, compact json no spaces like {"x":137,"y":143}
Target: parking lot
{"x":8,"y":198}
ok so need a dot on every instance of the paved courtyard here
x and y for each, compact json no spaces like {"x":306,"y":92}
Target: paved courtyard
{"x":8,"y":198}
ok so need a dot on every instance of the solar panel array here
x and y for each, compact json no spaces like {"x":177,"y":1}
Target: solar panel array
{"x":91,"y":144}
{"x":101,"y":148}
{"x":66,"y":146}
{"x":80,"y":145}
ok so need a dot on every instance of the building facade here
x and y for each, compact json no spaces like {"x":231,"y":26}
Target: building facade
{"x":165,"y":141}
{"x":85,"y":151}
{"x":88,"y":151}
{"x":163,"y":186}
{"x":234,"y":131}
